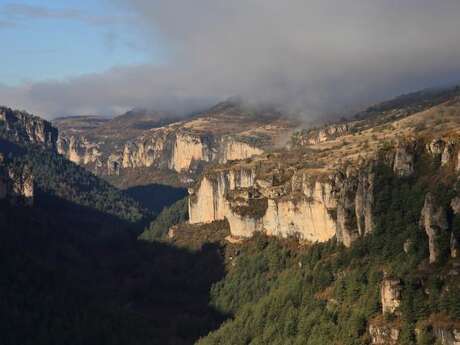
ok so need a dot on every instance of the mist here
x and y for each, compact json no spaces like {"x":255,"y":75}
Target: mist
{"x":310,"y":57}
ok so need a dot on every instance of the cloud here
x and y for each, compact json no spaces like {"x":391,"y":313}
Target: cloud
{"x":313,"y":56}
{"x":20,"y":11}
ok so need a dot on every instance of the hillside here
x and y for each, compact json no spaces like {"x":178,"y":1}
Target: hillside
{"x":143,"y":148}
{"x":348,"y":235}
{"x":56,"y":176}
{"x":73,"y":270}
{"x":383,"y":186}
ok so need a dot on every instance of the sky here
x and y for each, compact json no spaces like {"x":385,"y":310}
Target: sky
{"x":312,"y":57}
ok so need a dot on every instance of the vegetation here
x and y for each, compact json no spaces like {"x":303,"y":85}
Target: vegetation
{"x":155,"y":197}
{"x":175,"y":214}
{"x":74,"y":272}
{"x":325,"y":294}
{"x":68,"y":277}
{"x":57,"y":176}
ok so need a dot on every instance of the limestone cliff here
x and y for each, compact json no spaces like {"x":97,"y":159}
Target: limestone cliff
{"x":320,"y":135}
{"x":79,"y":150}
{"x":404,"y":160}
{"x":390,"y":293}
{"x":231,"y":150}
{"x":227,"y":132}
{"x":286,"y":202}
{"x":383,"y":334}
{"x":16,"y":184}
{"x":189,"y":148}
{"x":447,"y":336}
{"x":25,"y":128}
{"x":289,"y":193}
{"x":434,"y":221}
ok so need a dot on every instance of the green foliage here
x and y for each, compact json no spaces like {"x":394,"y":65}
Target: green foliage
{"x":327,"y":294}
{"x":64,"y":281}
{"x":175,"y":214}
{"x":55,"y":175}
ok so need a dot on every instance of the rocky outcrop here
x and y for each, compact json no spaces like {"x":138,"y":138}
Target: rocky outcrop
{"x":232,"y":150}
{"x":454,"y":237}
{"x":227,"y":132}
{"x":390,"y":294}
{"x":447,"y":336}
{"x":454,"y":246}
{"x":288,"y":202}
{"x":208,"y":200}
{"x":147,"y":151}
{"x":404,"y":161}
{"x":184,"y":152}
{"x":230,"y":195}
{"x":320,"y":135}
{"x":448,"y":154}
{"x":16,"y":184}
{"x":444,"y":151}
{"x":25,"y":128}
{"x":189,"y":148}
{"x":434,"y":221}
{"x":383,"y":334}
{"x":113,"y":164}
{"x":355,"y":199}
{"x":79,"y":150}
{"x":318,"y":205}
{"x":436,"y":147}
{"x":21,"y":187}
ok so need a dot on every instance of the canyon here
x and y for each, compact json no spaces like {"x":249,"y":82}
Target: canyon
{"x":225,"y":132}
{"x":323,"y":188}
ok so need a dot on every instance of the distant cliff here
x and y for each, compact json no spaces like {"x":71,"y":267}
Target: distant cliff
{"x":184,"y":147}
{"x":23,"y":127}
{"x":326,"y":188}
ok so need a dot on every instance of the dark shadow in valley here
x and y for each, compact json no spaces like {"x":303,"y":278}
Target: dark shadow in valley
{"x":155,"y":197}
{"x":74,"y":275}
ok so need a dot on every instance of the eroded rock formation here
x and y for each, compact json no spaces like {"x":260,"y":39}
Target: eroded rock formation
{"x":434,"y":222}
{"x":285,"y":202}
{"x":225,"y":133}
{"x":16,"y":184}
{"x":79,"y":150}
{"x":390,"y":294}
{"x":383,"y":334}
{"x":404,"y":161}
{"x":26,"y":128}
{"x":447,"y":336}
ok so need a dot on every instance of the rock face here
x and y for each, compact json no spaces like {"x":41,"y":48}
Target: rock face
{"x":16,"y":185}
{"x":383,"y":334}
{"x":448,"y":153}
{"x":390,"y":294}
{"x":447,"y":336}
{"x":231,"y":150}
{"x":316,"y":136}
{"x":454,"y":240}
{"x":434,"y":222}
{"x":26,"y":128}
{"x":208,"y":200}
{"x":188,"y":148}
{"x":404,"y":160}
{"x":355,"y":204}
{"x":149,"y":150}
{"x":230,"y":195}
{"x":286,"y":202}
{"x":184,"y":147}
{"x":79,"y":150}
{"x":286,"y":195}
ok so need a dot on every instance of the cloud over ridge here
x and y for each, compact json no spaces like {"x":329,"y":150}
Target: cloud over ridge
{"x":312,"y":56}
